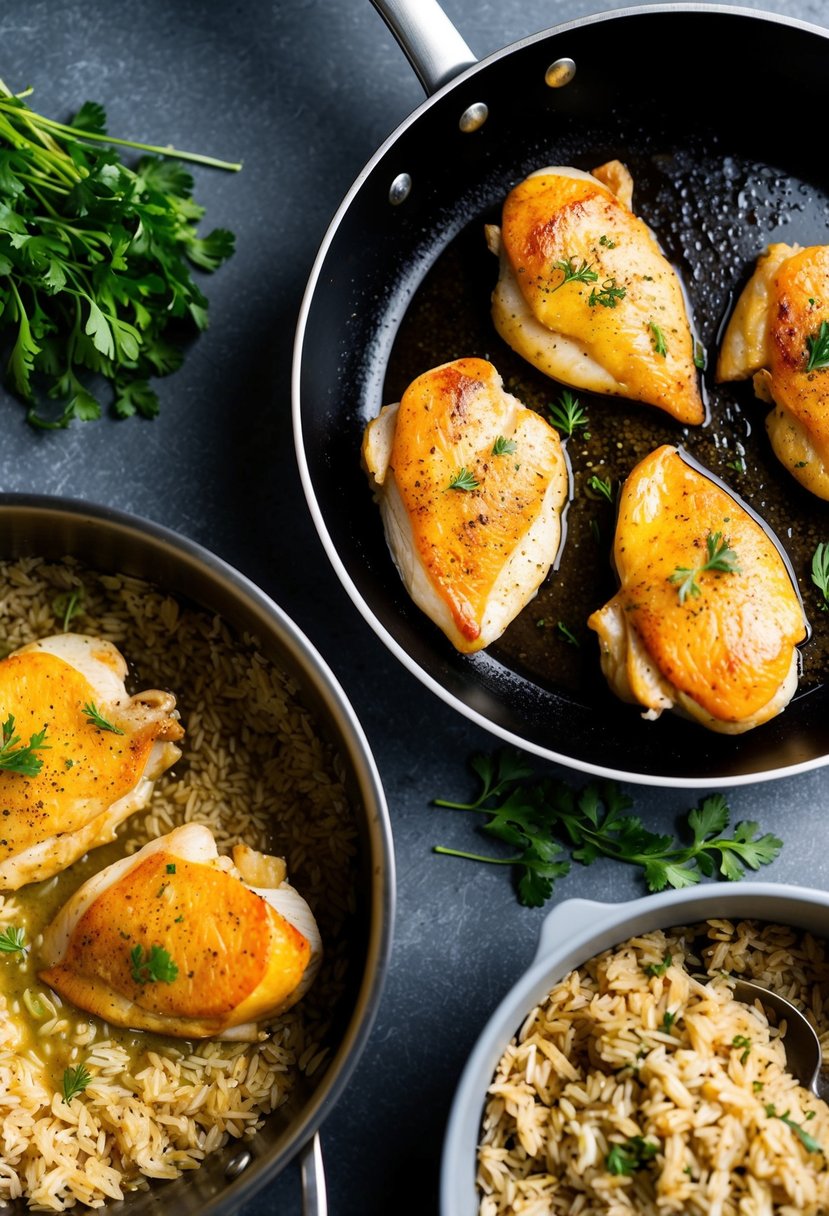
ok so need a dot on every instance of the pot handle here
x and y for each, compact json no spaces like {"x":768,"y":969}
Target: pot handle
{"x":428,"y":38}
{"x":314,"y":1195}
{"x":566,"y":917}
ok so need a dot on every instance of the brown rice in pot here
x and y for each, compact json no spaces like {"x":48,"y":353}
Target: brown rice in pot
{"x":253,"y":769}
{"x":641,"y":1086}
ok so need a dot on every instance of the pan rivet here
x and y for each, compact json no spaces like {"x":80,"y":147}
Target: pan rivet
{"x":560,"y":73}
{"x":238,"y":1163}
{"x":474,"y":117}
{"x":400,"y":188}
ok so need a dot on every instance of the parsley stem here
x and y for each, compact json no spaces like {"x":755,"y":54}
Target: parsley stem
{"x":495,"y":861}
{"x":197,"y":157}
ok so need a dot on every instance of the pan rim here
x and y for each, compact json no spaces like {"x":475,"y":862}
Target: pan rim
{"x":727,"y":780}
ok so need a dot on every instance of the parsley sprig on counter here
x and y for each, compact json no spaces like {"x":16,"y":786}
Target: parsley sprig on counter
{"x":540,"y":818}
{"x":95,"y":263}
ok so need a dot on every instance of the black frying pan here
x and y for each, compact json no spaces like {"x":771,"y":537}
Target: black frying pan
{"x":714,"y":110}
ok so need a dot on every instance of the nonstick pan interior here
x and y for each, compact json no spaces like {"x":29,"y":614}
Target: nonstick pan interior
{"x":709,"y":108}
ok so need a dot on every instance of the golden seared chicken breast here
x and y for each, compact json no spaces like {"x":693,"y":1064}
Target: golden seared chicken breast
{"x":79,"y":753}
{"x":707,"y":618}
{"x":586,"y":295}
{"x":181,"y":941}
{"x":471,"y":486}
{"x":778,"y":334}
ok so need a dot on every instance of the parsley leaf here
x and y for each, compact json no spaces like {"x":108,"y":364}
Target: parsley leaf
{"x":152,"y":966}
{"x":820,"y":572}
{"x":567,"y":634}
{"x":809,"y":1143}
{"x":608,"y":296}
{"x":22,"y":758}
{"x":741,"y":1040}
{"x":631,"y":1156}
{"x":12,"y":941}
{"x":75,"y":1081}
{"x":721,"y":557}
{"x":538,"y":818}
{"x":572,"y":274}
{"x":97,"y":719}
{"x":567,"y":414}
{"x":660,"y":346}
{"x":659,"y":968}
{"x":67,"y":605}
{"x":463,"y":480}
{"x":818,"y":347}
{"x":601,"y":486}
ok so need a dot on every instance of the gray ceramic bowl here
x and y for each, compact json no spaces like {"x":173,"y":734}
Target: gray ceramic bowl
{"x":571,"y":934}
{"x":113,"y":541}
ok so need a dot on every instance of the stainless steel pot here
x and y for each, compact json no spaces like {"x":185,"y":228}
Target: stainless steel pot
{"x":572,"y":933}
{"x":113,"y":541}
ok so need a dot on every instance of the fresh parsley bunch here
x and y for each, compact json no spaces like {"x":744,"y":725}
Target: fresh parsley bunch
{"x":537,"y":818}
{"x":95,"y":263}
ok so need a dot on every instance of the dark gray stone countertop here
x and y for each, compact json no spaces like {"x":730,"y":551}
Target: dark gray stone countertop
{"x":303,"y":92}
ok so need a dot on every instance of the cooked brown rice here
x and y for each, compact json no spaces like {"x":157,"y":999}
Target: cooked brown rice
{"x":253,"y":769}
{"x":602,"y":1104}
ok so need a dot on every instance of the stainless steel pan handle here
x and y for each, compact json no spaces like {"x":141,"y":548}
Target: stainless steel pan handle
{"x":428,"y":38}
{"x":314,"y":1195}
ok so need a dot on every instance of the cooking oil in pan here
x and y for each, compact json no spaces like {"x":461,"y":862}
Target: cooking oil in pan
{"x":713,"y":216}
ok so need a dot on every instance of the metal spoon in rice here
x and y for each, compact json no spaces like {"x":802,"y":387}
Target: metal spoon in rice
{"x":803,"y":1053}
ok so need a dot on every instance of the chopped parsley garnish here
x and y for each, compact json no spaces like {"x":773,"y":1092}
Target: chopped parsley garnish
{"x":631,"y":1156}
{"x":740,"y":1040}
{"x":68,"y":605}
{"x":601,"y":486}
{"x":820,"y":572}
{"x":152,"y":966}
{"x":171,"y":867}
{"x":97,"y":719}
{"x":538,"y":818}
{"x":12,"y":941}
{"x":818,"y":346}
{"x":668,"y":1020}
{"x":607,"y":242}
{"x":721,"y":558}
{"x":659,"y":968}
{"x":463,"y":480}
{"x":608,"y":296}
{"x":809,"y":1143}
{"x":75,"y":1081}
{"x":503,"y":447}
{"x":660,"y":346}
{"x":567,"y":414}
{"x":572,"y":274}
{"x":20,"y":758}
{"x":567,"y":634}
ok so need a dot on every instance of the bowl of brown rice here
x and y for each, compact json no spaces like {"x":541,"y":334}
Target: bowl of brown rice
{"x":620,"y":1075}
{"x":272,"y":755}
